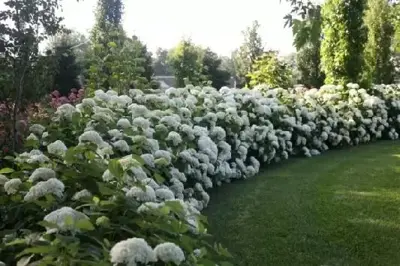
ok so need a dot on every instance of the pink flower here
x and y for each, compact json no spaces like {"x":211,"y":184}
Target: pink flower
{"x":56,"y":93}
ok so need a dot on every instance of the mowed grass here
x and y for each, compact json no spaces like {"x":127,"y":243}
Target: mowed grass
{"x":340,"y":208}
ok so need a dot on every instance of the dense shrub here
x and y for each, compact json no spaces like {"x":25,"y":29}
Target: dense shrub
{"x":124,"y":178}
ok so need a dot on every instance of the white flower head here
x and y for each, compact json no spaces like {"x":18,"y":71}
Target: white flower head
{"x":148,"y":159}
{"x":169,"y":252}
{"x":66,"y":111}
{"x":57,"y":148}
{"x":12,"y":186}
{"x":59,"y":218}
{"x":42,"y":188}
{"x":163,"y":154}
{"x":93,"y":137}
{"x":141,"y":122}
{"x":3,"y":179}
{"x":42,"y":173}
{"x":143,"y":195}
{"x":124,"y":123}
{"x":37,"y":129}
{"x":165,"y":194}
{"x":174,"y":137}
{"x":149,"y":206}
{"x":82,"y":194}
{"x":131,"y":252}
{"x":122,"y":146}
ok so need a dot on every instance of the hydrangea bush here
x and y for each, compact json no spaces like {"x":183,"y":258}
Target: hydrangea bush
{"x":122,"y":179}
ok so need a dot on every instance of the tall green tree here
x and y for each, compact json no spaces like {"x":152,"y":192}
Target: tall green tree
{"x":23,"y":25}
{"x":344,"y":38}
{"x":271,"y":71}
{"x":378,"y":52}
{"x":247,"y":54}
{"x":186,"y":60}
{"x":212,"y":69}
{"x":108,"y":26}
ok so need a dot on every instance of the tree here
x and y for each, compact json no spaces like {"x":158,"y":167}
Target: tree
{"x":271,"y":71}
{"x":213,"y":70}
{"x":378,"y":52}
{"x":108,"y":27}
{"x":70,"y":50}
{"x":23,"y":25}
{"x":160,"y":64}
{"x":186,"y":61}
{"x":245,"y":57}
{"x":344,"y":38}
{"x":308,"y":64}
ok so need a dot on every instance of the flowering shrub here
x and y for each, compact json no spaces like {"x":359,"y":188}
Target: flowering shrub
{"x":122,"y":179}
{"x":74,"y":96}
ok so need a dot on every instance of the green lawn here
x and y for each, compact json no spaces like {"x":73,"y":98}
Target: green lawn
{"x":341,"y":208}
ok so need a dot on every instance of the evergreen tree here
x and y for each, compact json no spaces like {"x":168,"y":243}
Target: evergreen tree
{"x":344,"y":38}
{"x":380,"y":35}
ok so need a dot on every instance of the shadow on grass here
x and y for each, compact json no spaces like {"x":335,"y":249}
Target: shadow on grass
{"x":341,"y":208}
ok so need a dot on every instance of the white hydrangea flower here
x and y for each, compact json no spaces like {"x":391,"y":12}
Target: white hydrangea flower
{"x":143,"y":195}
{"x":124,"y":123}
{"x":169,"y":252}
{"x":93,"y":137}
{"x":165,"y":194}
{"x":82,"y":194}
{"x":12,"y":186}
{"x":139,"y":173}
{"x":174,"y":137}
{"x":115,"y":134}
{"x":66,"y":111}
{"x":57,"y":148}
{"x":150,"y":182}
{"x":37,"y":129}
{"x":3,"y":179}
{"x":148,"y":159}
{"x":163,"y":154}
{"x":131,"y":252}
{"x":141,"y":122}
{"x":149,"y":206}
{"x":42,"y":173}
{"x":107,"y":176}
{"x":59,"y":218}
{"x":42,"y":188}
{"x":122,"y":146}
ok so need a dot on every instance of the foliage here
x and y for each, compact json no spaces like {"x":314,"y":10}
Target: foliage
{"x":123,"y":67}
{"x":186,"y":61}
{"x":213,"y":70}
{"x":343,"y":43}
{"x":160,"y":64}
{"x":378,"y":52}
{"x":308,"y":63}
{"x":123,"y":167}
{"x":108,"y":27}
{"x":65,"y":49}
{"x":271,"y":71}
{"x":247,"y":54}
{"x":25,"y":74}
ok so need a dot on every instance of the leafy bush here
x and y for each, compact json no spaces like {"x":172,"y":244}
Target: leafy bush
{"x":122,"y":179}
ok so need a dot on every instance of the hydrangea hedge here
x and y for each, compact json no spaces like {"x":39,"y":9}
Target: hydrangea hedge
{"x":122,"y":179}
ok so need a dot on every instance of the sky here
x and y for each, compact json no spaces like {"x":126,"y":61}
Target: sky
{"x":211,"y":23}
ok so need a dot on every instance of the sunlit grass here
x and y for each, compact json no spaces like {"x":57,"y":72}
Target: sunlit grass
{"x":341,"y":208}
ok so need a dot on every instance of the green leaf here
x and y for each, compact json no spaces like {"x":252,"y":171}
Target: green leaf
{"x":159,"y":178}
{"x":36,"y":250}
{"x":115,"y":168}
{"x":6,"y":170}
{"x":175,"y":206}
{"x":112,"y":45}
{"x":138,"y":158}
{"x":84,"y":224}
{"x":16,"y":242}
